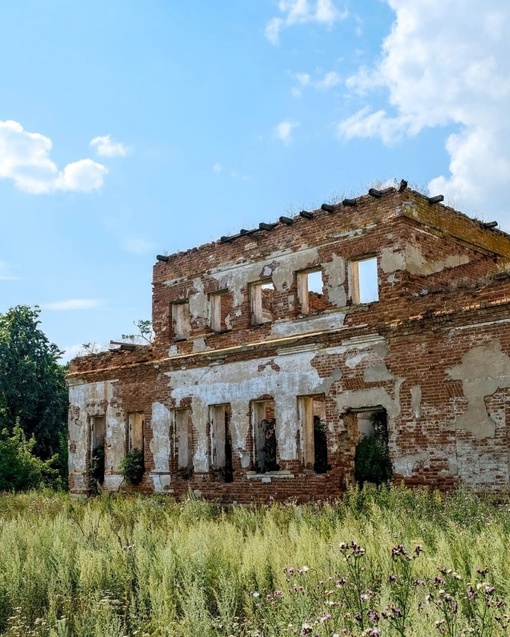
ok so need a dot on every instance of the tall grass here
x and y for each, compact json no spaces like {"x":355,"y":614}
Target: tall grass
{"x":381,"y":562}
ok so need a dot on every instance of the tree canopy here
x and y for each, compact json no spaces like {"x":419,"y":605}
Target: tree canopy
{"x":33,"y":393}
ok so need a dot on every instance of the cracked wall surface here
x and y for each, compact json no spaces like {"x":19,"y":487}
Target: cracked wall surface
{"x":433,"y":353}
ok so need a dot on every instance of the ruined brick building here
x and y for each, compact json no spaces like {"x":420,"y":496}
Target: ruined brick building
{"x":278,"y":348}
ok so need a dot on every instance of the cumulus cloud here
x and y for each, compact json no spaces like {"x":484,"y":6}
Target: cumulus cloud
{"x":301,"y":11}
{"x":106,"y":147}
{"x":283,"y":131}
{"x":446,"y":63}
{"x":25,"y":158}
{"x":72,"y":304}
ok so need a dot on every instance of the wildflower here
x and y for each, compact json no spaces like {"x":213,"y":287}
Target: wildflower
{"x":306,"y":629}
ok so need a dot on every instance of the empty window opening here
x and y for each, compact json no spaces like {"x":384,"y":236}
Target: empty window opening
{"x":363,"y":279}
{"x":312,"y":417}
{"x":135,"y":430}
{"x":97,"y":432}
{"x":221,"y":440}
{"x":372,"y":460}
{"x":262,"y":295}
{"x":310,"y":287}
{"x":181,"y":327}
{"x":220,"y":304}
{"x":97,"y":451}
{"x":264,"y":436}
{"x":183,"y":441}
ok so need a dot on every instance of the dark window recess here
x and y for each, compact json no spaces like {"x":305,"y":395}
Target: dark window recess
{"x":221,"y":441}
{"x":313,"y":433}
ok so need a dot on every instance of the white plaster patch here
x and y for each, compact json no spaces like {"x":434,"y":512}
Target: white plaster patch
{"x":321,"y":323}
{"x":377,"y":373}
{"x":161,"y":483}
{"x":405,"y":465}
{"x":483,"y":370}
{"x":392,"y":260}
{"x":354,"y":361}
{"x":416,"y":401}
{"x":112,"y":482}
{"x":199,"y":345}
{"x":373,"y":397}
{"x":267,"y":271}
{"x":160,"y":444}
{"x":416,"y":263}
{"x":198,"y":301}
{"x":335,"y":289}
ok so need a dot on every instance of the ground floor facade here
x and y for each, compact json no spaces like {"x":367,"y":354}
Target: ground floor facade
{"x":273,"y":421}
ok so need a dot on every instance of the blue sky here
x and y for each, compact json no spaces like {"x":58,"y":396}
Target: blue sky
{"x":129,"y":129}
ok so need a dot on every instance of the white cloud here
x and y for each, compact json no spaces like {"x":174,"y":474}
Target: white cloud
{"x":72,"y":304}
{"x":301,"y":11}
{"x":6,"y":272}
{"x":324,"y":83}
{"x":447,"y":63}
{"x":217,"y":168}
{"x":25,"y":158}
{"x":106,"y":147}
{"x":283,"y":131}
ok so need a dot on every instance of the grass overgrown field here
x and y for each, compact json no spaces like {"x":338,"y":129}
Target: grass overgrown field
{"x":380,"y":562}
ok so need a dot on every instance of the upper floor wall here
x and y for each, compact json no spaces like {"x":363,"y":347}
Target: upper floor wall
{"x":308,"y":273}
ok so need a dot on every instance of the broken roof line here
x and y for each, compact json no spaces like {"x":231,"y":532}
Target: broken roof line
{"x":373,"y":193}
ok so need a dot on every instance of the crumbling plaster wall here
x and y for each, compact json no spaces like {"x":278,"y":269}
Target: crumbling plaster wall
{"x":444,"y":380}
{"x":86,"y":401}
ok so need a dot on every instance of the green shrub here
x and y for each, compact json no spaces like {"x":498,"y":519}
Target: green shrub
{"x":20,"y":470}
{"x":132,"y":467}
{"x":372,"y":463}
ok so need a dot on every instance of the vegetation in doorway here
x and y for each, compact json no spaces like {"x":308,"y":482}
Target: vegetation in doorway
{"x":132,"y":467}
{"x":96,"y":469}
{"x":372,"y":461}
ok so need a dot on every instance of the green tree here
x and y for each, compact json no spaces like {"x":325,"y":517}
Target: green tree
{"x":33,"y":391}
{"x":20,"y":470}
